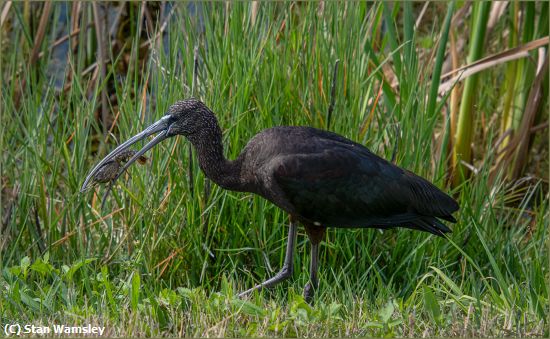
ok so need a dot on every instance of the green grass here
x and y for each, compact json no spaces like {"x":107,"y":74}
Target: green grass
{"x":163,"y":260}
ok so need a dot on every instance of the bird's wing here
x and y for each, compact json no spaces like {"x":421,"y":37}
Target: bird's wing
{"x":346,"y":185}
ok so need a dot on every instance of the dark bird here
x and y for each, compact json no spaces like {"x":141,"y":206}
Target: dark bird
{"x":319,"y":178}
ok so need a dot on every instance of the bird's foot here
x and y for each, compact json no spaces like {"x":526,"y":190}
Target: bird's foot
{"x":309,"y":293}
{"x":284,"y":274}
{"x":247,"y":292}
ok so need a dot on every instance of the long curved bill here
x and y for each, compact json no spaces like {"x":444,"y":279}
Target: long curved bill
{"x":161,"y":125}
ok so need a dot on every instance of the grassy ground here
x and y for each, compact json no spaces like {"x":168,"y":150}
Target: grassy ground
{"x":166,"y":258}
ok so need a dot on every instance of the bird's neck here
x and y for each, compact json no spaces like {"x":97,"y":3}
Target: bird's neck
{"x":225,"y":173}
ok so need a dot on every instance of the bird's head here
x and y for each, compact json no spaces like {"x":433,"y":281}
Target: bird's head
{"x":186,"y":117}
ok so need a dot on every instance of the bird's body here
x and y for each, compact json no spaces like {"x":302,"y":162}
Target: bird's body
{"x":320,"y":178}
{"x":324,"y":179}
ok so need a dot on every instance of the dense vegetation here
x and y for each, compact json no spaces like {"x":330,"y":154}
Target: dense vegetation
{"x":171,"y":251}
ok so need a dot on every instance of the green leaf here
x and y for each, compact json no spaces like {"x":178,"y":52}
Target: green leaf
{"x":395,"y":322}
{"x":278,"y":326}
{"x":42,"y":267}
{"x":431,"y":304}
{"x":448,"y":281}
{"x":108,"y":289}
{"x":25,"y":263}
{"x":300,"y":309}
{"x":15,"y":270}
{"x":29,"y":301}
{"x":226,"y":288}
{"x":186,"y":293}
{"x":500,"y":277}
{"x":135,"y":290}
{"x":387,"y":311}
{"x":334,"y":310}
{"x":439,"y":60}
{"x":167,"y":297}
{"x":72,"y":270}
{"x":248,"y":308}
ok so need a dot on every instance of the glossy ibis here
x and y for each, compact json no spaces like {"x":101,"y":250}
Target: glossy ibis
{"x":319,"y":178}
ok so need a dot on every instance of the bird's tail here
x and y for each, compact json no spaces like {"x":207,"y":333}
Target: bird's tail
{"x":428,"y":224}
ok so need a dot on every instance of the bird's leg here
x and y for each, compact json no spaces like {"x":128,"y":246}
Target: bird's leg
{"x":288,"y":265}
{"x":315,"y":234}
{"x":313,"y":283}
